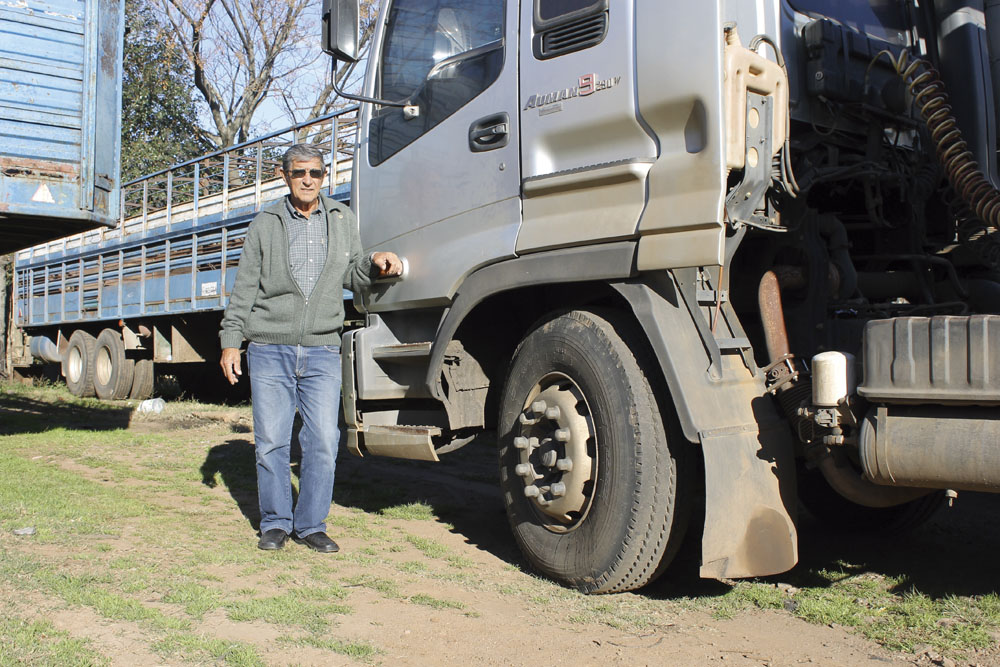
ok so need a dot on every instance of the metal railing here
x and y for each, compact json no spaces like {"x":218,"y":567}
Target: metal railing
{"x":233,"y":181}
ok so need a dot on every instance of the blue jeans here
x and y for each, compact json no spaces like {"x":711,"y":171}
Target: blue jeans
{"x":283,"y":378}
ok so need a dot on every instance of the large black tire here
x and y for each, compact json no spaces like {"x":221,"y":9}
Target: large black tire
{"x":142,"y":379}
{"x":619,"y":517}
{"x":828,"y":506}
{"x":78,"y":363}
{"x":112,"y":370}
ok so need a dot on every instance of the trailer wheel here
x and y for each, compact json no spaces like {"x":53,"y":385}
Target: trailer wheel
{"x":142,"y":379}
{"x":78,"y":363}
{"x":112,"y":370}
{"x":589,"y":475}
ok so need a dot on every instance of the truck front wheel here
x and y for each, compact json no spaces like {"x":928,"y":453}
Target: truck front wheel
{"x":590,"y":477}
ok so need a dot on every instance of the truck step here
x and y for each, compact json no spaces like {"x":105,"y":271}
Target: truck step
{"x":402,"y":352}
{"x":401,"y":442}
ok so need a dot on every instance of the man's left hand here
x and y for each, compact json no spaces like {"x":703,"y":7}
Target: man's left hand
{"x":388,"y":264}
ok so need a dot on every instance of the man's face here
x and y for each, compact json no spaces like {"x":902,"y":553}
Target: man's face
{"x":302,"y":182}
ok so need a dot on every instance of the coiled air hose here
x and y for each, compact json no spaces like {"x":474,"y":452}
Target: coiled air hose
{"x":966,"y":178}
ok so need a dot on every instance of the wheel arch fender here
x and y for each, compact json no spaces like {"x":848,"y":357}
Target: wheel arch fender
{"x":749,"y":465}
{"x":750,"y":498}
{"x":605,"y":262}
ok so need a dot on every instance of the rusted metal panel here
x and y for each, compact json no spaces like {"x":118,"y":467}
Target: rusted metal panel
{"x":60,"y":116}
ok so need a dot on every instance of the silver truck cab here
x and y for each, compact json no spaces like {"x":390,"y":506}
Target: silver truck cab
{"x":614,"y":275}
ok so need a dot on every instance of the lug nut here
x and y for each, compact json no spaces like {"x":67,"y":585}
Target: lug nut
{"x":553,"y":413}
{"x":564,"y":465}
{"x":562,"y":435}
{"x":558,"y":490}
{"x":523,"y":470}
{"x":520,"y":443}
{"x":531,"y":491}
{"x":549,"y":458}
{"x":538,"y":407}
{"x":525,"y":419}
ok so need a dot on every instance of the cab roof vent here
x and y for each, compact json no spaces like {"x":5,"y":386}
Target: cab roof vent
{"x":570,"y":37}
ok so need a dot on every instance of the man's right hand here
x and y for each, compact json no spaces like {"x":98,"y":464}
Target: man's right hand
{"x":230,"y":363}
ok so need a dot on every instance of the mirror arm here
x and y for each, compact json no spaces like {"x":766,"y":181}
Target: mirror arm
{"x":361,"y":98}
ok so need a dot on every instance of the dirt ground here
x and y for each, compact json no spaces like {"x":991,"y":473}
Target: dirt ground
{"x":504,"y":615}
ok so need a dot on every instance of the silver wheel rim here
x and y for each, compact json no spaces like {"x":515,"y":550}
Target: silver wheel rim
{"x":557,"y":452}
{"x":102,"y":366}
{"x":74,"y":365}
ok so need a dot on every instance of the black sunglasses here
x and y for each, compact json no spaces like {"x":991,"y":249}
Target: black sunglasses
{"x":301,"y":173}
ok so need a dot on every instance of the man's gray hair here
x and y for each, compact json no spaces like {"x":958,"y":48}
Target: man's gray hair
{"x":303,"y":152}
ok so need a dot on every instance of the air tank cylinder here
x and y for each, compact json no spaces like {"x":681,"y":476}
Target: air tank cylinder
{"x":932,"y":447}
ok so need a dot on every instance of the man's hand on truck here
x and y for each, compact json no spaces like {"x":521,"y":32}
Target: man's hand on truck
{"x":388,"y":264}
{"x":230,"y":363}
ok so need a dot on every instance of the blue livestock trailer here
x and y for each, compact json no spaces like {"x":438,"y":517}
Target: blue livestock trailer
{"x":60,"y":118}
{"x":111,"y":304}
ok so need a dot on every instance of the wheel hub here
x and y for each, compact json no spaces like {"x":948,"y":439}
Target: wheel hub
{"x":102,"y":365}
{"x":74,"y":367}
{"x":554,"y":438}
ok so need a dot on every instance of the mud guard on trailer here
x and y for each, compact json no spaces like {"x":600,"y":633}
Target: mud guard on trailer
{"x":749,"y":466}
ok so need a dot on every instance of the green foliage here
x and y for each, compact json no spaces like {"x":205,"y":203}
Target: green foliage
{"x":159,"y":114}
{"x":435,"y":603}
{"x":190,"y":647}
{"x":39,"y":642}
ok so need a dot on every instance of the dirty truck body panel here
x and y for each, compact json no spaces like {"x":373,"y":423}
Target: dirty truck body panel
{"x":60,"y":116}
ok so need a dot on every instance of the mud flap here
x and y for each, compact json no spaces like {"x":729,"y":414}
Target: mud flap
{"x":749,"y":467}
{"x":748,"y":531}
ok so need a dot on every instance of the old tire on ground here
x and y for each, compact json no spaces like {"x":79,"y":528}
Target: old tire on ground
{"x":112,"y":370}
{"x":142,"y":379}
{"x":589,"y":475}
{"x":825,"y":504}
{"x":78,"y":363}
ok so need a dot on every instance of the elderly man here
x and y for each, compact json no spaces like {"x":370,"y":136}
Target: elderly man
{"x":287,"y":300}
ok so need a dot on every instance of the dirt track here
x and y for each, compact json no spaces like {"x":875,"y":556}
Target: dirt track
{"x":449,"y":587}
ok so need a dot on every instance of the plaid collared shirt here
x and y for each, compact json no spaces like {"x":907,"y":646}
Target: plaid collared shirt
{"x":307,"y":239}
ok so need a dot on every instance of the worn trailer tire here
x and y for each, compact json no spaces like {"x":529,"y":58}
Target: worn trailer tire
{"x":142,"y":379}
{"x":113,"y":372}
{"x":78,"y":363}
{"x":618,"y":518}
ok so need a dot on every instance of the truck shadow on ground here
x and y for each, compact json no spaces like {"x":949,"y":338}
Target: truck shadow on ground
{"x":462,"y":491}
{"x":21,"y":414}
{"x":953,"y":554}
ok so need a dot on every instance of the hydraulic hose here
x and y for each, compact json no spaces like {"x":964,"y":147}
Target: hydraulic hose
{"x":963,"y":172}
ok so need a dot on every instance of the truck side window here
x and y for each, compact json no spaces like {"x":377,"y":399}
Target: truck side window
{"x":439,"y":55}
{"x":565,"y":26}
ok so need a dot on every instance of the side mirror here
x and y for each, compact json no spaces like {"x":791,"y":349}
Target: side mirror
{"x":340,"y":29}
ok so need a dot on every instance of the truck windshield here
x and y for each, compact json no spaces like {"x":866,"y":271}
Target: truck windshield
{"x":884,"y":19}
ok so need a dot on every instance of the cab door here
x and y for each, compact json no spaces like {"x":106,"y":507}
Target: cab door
{"x":439,"y":182}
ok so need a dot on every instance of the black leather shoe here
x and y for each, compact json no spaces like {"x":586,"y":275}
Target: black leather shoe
{"x":272,"y":540}
{"x":319,"y":542}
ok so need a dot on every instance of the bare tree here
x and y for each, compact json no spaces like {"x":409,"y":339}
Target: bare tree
{"x":312,"y":95}
{"x":242,"y":51}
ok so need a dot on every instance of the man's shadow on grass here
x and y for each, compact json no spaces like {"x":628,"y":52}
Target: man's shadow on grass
{"x":234,"y":465}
